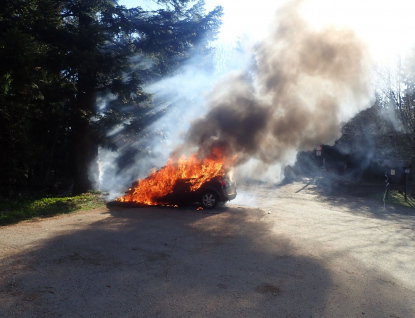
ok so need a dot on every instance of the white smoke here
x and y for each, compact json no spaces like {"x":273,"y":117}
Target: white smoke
{"x":290,"y":92}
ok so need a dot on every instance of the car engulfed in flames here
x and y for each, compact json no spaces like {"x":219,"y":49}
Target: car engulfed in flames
{"x":186,"y":180}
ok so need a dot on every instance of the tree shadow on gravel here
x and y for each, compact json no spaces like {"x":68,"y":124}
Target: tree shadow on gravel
{"x":165,"y":262}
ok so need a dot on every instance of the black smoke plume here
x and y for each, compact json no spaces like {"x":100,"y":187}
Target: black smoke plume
{"x":304,"y":84}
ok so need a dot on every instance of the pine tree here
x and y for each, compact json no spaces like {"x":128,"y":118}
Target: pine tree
{"x":59,"y":55}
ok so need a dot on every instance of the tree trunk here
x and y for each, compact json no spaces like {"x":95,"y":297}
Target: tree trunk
{"x":85,"y":148}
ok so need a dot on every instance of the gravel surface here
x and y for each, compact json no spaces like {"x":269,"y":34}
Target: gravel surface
{"x":286,"y":251}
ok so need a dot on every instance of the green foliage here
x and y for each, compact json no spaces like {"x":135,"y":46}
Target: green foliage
{"x":12,"y":211}
{"x":58,"y":56}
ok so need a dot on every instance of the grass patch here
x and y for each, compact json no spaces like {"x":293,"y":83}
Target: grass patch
{"x":399,"y":198}
{"x":394,"y":198}
{"x":13,"y":211}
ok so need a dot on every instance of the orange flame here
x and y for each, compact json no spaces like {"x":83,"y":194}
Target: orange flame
{"x":160,"y":183}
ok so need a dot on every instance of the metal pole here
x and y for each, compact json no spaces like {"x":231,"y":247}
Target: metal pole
{"x":406,"y":184}
{"x":386,"y":194}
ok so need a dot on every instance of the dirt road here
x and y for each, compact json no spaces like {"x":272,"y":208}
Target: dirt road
{"x":273,"y":252}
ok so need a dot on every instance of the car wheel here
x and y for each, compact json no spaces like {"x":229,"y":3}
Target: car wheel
{"x":209,"y":200}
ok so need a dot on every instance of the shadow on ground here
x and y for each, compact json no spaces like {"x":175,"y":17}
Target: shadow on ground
{"x":359,"y":196}
{"x":164,"y":262}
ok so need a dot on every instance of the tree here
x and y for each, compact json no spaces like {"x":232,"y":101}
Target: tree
{"x":402,"y":97}
{"x":371,"y":135}
{"x":62,"y":54}
{"x":28,"y":95}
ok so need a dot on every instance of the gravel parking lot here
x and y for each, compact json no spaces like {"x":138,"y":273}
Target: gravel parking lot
{"x":287,"y":251}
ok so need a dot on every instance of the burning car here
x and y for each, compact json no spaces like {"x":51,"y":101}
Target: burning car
{"x":183,"y":180}
{"x":219,"y":189}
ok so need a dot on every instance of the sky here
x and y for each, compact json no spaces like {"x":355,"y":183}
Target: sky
{"x":386,"y":26}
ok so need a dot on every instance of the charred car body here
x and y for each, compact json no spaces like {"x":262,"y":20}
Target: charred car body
{"x":218,"y":189}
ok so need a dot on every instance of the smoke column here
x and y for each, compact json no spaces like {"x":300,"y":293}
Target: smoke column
{"x":303,"y":85}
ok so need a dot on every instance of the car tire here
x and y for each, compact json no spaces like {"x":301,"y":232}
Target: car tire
{"x":209,"y":199}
